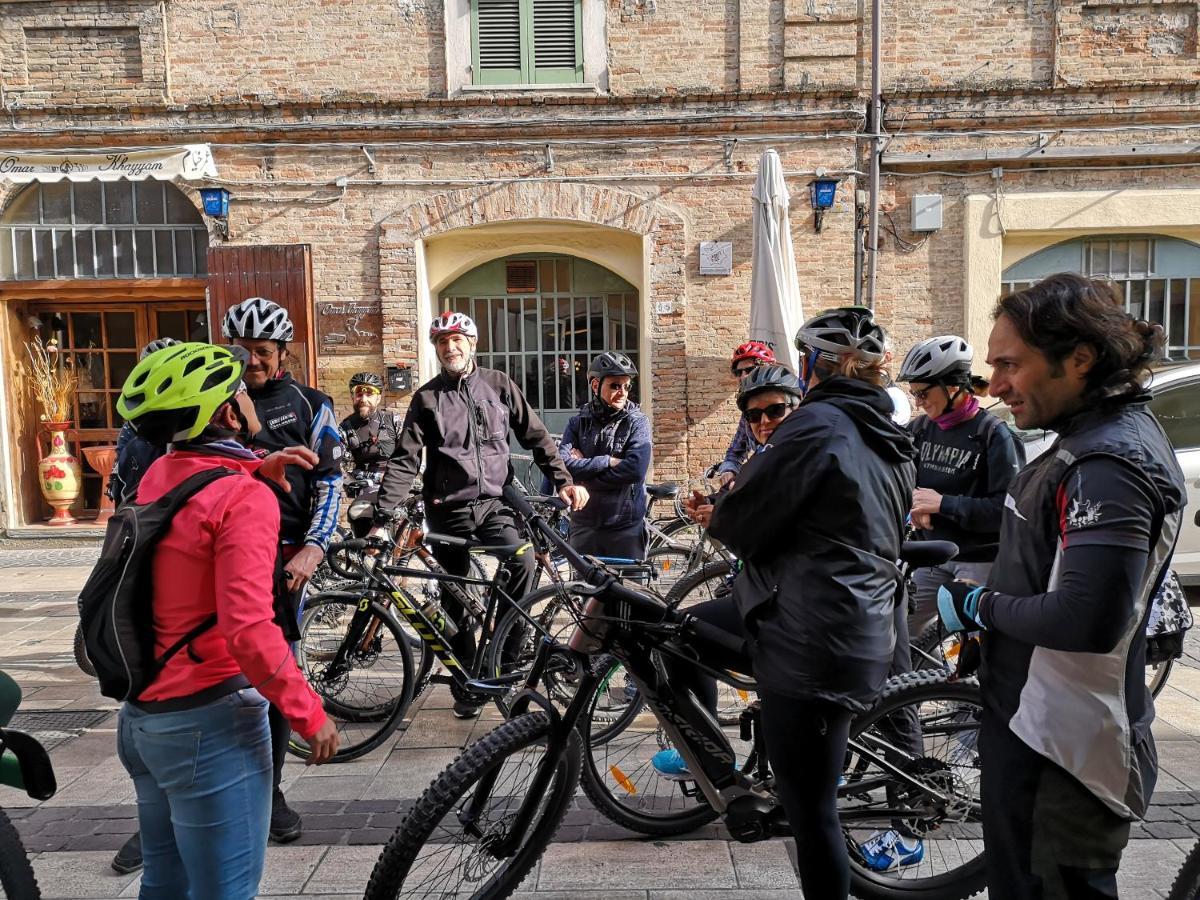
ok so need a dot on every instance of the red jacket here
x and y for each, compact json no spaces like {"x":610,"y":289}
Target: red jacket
{"x":219,"y":556}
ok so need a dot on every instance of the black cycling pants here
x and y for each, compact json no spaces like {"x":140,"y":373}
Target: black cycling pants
{"x":491,"y":522}
{"x":806,"y":745}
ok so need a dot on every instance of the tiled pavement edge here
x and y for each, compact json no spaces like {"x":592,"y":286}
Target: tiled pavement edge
{"x":352,"y":808}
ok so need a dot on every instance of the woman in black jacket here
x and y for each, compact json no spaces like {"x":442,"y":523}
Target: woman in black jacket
{"x":817,"y":518}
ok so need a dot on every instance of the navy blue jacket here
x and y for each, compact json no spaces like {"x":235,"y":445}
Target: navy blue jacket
{"x":618,"y":493}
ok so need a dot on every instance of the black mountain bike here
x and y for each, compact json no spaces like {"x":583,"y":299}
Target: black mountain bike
{"x":483,"y":824}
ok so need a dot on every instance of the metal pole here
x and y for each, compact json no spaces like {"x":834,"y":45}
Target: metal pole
{"x":876,"y":124}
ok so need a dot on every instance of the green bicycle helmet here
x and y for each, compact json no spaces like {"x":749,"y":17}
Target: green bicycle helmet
{"x":172,"y":394}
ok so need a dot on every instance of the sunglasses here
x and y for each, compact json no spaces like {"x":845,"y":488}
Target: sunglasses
{"x":920,"y":396}
{"x":744,"y":371}
{"x":366,"y":389}
{"x":774,"y":411}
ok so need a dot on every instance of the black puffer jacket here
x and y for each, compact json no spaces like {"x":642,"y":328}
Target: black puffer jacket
{"x":817,"y":517}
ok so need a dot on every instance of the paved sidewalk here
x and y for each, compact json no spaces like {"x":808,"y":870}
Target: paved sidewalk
{"x":351,"y":809}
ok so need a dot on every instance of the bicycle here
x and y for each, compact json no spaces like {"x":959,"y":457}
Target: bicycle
{"x":483,"y":823}
{"x":1187,"y":882}
{"x":25,"y":765}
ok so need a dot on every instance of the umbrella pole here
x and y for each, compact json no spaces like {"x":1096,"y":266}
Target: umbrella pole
{"x":876,"y":148}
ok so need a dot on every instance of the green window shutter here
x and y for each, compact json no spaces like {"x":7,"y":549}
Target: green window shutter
{"x":557,"y":39}
{"x":527,"y":41}
{"x":497,"y":33}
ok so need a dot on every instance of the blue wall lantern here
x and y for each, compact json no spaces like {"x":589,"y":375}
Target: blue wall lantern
{"x":822,"y":193}
{"x":216,"y":202}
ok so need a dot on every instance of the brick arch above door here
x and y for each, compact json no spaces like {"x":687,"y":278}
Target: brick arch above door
{"x":406,"y":297}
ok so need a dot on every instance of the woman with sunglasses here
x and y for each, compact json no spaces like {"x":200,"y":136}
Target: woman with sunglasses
{"x":967,"y":458}
{"x":746,"y":358}
{"x":816,"y":517}
{"x":370,"y":432}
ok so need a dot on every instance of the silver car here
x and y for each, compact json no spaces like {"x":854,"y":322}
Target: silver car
{"x":1176,"y":402}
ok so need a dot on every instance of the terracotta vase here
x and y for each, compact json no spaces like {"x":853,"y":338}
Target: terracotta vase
{"x":60,"y":474}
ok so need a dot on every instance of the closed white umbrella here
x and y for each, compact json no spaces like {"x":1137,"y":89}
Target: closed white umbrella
{"x":775,"y":313}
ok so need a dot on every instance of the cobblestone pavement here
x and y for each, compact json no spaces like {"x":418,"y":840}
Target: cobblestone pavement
{"x":351,"y":809}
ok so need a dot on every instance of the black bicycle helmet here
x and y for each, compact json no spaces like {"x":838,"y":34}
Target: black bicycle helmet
{"x":767,"y":378}
{"x":610,"y":363}
{"x":843,"y":331}
{"x":368,"y":378}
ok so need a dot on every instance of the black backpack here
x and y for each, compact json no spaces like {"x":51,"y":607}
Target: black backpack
{"x":115,"y":606}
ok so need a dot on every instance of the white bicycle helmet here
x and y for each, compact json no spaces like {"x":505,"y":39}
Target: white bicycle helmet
{"x":258,"y":319}
{"x":156,"y":345}
{"x":945,"y":359}
{"x":452,"y":323}
{"x":848,"y":330}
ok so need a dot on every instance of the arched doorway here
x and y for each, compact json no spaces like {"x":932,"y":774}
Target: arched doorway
{"x":102,"y":268}
{"x":541,"y":318}
{"x":1159,"y":277}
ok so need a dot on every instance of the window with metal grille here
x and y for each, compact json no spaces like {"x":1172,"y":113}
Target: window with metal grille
{"x":101,"y":229}
{"x":545,"y":340}
{"x":527,"y":42}
{"x":1158,"y":276}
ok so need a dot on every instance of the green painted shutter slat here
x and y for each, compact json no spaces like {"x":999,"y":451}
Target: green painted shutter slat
{"x":527,"y":41}
{"x":498,"y":41}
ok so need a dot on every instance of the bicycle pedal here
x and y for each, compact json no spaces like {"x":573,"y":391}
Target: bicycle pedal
{"x":441,"y":678}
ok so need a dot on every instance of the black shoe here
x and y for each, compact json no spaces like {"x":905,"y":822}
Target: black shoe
{"x":466,"y":710}
{"x":285,"y":821}
{"x":129,"y":857}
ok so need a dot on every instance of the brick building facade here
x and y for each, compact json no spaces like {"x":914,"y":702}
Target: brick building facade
{"x":410,"y":144}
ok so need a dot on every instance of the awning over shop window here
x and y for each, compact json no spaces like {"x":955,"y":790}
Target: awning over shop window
{"x":190,"y":162}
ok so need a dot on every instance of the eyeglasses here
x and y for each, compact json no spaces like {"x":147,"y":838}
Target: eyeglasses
{"x":366,"y":389}
{"x":774,"y":411}
{"x":744,"y":370}
{"x":920,"y":396}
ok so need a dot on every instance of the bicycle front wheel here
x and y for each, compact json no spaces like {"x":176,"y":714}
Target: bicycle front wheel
{"x":363,"y":673}
{"x":16,"y":874}
{"x":445,"y":845}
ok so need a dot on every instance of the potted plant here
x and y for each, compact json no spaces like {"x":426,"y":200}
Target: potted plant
{"x":59,"y":473}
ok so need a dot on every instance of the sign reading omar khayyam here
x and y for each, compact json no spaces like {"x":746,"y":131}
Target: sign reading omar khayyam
{"x":190,"y":162}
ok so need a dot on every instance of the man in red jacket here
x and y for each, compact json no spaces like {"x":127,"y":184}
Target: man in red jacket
{"x":196,"y":741}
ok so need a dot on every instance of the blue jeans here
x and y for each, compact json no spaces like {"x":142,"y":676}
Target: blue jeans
{"x":203,"y":780}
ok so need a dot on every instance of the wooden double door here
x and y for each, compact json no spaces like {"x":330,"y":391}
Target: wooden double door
{"x":102,"y":341}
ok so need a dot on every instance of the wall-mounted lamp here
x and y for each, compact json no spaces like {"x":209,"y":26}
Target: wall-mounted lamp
{"x":216,"y":206}
{"x":822,"y":192}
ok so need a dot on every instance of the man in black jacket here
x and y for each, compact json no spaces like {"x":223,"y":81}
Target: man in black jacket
{"x":371,"y":433}
{"x":462,"y":419}
{"x":1067,"y":756}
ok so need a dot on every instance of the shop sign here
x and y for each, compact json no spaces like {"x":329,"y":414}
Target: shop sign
{"x":190,"y":163}
{"x":349,"y":326}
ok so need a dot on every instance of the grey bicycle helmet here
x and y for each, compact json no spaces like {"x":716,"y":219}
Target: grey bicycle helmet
{"x":768,"y":378}
{"x":945,"y":359}
{"x":367,"y":378}
{"x":258,"y":319}
{"x":156,"y":345}
{"x":609,"y":363}
{"x":848,"y":330}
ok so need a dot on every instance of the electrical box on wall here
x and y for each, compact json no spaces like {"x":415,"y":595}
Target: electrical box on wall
{"x":399,"y":379}
{"x":927,"y":212}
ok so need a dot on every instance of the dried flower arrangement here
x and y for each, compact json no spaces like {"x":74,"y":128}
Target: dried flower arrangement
{"x":52,"y":378}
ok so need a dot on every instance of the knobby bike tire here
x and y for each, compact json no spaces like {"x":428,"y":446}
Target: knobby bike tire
{"x":81,"y":657}
{"x":361,"y":727}
{"x":16,"y":872}
{"x":914,"y":689}
{"x":1157,"y":676}
{"x":1187,"y":882}
{"x":443,"y":796}
{"x":713,"y":571}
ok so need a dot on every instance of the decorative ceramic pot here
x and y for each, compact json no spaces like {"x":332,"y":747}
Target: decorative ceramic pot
{"x":60,"y":474}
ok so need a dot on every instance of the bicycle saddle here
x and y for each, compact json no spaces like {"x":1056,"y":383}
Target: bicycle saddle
{"x":449,"y":540}
{"x":665,"y":491}
{"x":920,"y":554}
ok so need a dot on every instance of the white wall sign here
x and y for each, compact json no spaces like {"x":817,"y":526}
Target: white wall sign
{"x":190,"y":162}
{"x":716,"y":257}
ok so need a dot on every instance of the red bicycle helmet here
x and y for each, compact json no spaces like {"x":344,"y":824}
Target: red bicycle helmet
{"x":755,"y":350}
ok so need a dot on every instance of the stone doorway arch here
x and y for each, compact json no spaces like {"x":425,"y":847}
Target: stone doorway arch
{"x":516,"y":215}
